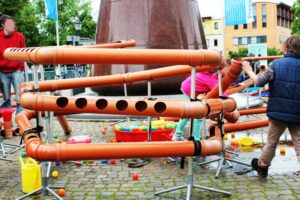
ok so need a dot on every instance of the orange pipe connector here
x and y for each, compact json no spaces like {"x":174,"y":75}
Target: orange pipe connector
{"x":232,"y":75}
{"x":72,"y":55}
{"x":53,"y":85}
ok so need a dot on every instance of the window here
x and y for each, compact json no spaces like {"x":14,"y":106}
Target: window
{"x":264,"y":15}
{"x":239,"y":40}
{"x":254,"y":23}
{"x":262,"y":39}
{"x":216,"y":25}
{"x":244,"y":41}
{"x":215,"y":42}
{"x":249,"y":40}
{"x":245,"y":26}
{"x":236,"y":27}
{"x":235,"y":41}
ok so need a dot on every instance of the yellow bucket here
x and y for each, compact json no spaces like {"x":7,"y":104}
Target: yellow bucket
{"x":31,"y":175}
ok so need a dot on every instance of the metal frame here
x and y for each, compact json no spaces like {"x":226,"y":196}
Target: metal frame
{"x":45,"y":189}
{"x":222,"y":160}
{"x":190,"y":178}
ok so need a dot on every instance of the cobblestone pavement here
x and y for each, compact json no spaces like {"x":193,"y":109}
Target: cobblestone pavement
{"x":114,"y":181}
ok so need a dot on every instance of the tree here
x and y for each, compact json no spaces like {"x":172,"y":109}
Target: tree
{"x":68,"y":12}
{"x":296,"y":11}
{"x":39,"y":31}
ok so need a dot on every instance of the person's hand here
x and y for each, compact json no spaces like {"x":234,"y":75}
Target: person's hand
{"x":246,"y":66}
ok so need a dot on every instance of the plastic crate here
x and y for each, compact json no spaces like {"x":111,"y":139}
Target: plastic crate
{"x":142,"y":136}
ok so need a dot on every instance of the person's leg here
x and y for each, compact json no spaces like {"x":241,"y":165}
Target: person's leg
{"x":180,"y":127}
{"x":197,"y":129}
{"x":5,"y":80}
{"x":295,"y":133}
{"x":17,"y":80}
{"x":275,"y":131}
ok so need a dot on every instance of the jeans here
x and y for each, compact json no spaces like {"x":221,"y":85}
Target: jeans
{"x":196,"y":126}
{"x":6,"y":80}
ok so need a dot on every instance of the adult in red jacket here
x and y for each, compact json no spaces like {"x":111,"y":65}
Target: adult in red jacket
{"x":11,"y":73}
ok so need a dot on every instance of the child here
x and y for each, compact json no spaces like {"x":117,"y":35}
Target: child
{"x":205,"y":81}
{"x":284,"y":103}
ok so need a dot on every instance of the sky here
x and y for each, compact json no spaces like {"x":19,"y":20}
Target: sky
{"x":207,"y":8}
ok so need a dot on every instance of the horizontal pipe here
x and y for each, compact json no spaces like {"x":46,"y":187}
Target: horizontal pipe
{"x":63,"y":84}
{"x":167,"y":108}
{"x":61,"y":55}
{"x":118,"y":44}
{"x":258,"y":91}
{"x":241,"y":126}
{"x":40,"y":151}
{"x":23,"y":54}
{"x":262,"y":58}
{"x":253,"y":111}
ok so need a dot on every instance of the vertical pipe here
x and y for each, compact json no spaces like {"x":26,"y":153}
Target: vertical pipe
{"x":149,"y":118}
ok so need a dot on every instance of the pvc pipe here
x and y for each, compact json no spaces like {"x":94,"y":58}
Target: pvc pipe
{"x":53,"y":85}
{"x":63,"y":55}
{"x":64,"y":124}
{"x":232,"y":75}
{"x":64,"y":152}
{"x":262,"y":58}
{"x":253,"y":111}
{"x":169,"y":108}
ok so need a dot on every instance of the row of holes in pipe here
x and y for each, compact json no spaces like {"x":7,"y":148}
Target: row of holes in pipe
{"x":22,"y":49}
{"x":121,"y":105}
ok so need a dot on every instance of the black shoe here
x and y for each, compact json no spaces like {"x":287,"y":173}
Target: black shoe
{"x":261,"y":171}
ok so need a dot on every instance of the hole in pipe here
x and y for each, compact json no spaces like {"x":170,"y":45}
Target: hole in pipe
{"x":160,"y":107}
{"x":122,"y":105}
{"x":101,"y":104}
{"x":141,"y":106}
{"x":81,"y":103}
{"x":62,"y":102}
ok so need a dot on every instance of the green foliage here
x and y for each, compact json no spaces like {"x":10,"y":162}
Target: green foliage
{"x":243,"y":52}
{"x":296,"y":24}
{"x":40,"y":31}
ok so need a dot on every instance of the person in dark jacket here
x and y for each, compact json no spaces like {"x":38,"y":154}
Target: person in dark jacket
{"x":283,"y":76}
{"x":11,"y":72}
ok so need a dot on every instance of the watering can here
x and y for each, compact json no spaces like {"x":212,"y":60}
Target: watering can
{"x":31,"y":175}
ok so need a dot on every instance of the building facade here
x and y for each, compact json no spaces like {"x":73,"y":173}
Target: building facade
{"x":214,"y":33}
{"x":271,"y":26}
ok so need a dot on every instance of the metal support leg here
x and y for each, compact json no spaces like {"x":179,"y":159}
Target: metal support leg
{"x":190,"y":179}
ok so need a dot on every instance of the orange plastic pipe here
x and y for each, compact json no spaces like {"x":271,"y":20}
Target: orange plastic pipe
{"x":232,"y":75}
{"x":262,"y":58}
{"x":64,"y":124}
{"x":240,"y":87}
{"x":61,"y":55}
{"x":253,"y":111}
{"x":52,"y":85}
{"x":228,"y":127}
{"x":118,"y":44}
{"x":257,"y":92}
{"x":182,"y":109}
{"x":64,"y":152}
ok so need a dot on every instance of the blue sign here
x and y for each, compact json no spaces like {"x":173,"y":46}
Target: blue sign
{"x":238,"y":12}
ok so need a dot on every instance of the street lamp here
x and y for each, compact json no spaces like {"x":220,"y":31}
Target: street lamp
{"x":77,"y":25}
